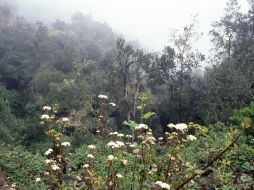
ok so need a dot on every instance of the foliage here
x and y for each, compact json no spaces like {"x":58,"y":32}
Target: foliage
{"x":22,"y":166}
{"x":141,"y":161}
{"x":68,"y":64}
{"x":8,"y":123}
{"x":240,"y":116}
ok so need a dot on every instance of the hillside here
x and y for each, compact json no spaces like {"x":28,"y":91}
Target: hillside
{"x":82,"y":108}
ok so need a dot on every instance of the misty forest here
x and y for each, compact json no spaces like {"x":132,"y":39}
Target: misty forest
{"x":83,"y":107}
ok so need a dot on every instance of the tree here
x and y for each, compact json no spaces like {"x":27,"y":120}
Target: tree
{"x":228,"y":84}
{"x":186,"y":59}
{"x":174,"y":71}
{"x":7,"y":12}
{"x":126,"y":57}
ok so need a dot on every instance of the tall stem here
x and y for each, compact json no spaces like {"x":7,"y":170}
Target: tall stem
{"x":133,"y":174}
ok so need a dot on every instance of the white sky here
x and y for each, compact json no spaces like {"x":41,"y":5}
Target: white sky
{"x":147,"y":21}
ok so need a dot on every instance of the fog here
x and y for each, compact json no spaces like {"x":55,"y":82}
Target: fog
{"x":147,"y":21}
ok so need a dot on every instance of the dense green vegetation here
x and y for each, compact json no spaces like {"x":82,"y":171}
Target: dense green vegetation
{"x":69,"y":65}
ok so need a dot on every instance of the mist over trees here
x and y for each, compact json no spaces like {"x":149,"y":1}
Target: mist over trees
{"x":68,"y":64}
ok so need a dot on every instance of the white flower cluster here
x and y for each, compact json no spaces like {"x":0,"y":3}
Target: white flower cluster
{"x":52,"y":164}
{"x":149,"y":140}
{"x":115,"y":145}
{"x":45,"y":117}
{"x":90,"y":156}
{"x":112,"y":145}
{"x":120,"y":144}
{"x":103,"y":97}
{"x":48,"y":161}
{"x":162,"y":185}
{"x":113,"y":133}
{"x":65,"y":119}
{"x":120,"y":135}
{"x":37,"y":179}
{"x":119,"y":176}
{"x":48,"y":152}
{"x":141,"y":127}
{"x":128,"y":136}
{"x":46,"y":108}
{"x":91,"y":147}
{"x":111,"y":158}
{"x":65,"y":144}
{"x":55,"y":167}
{"x":173,"y":135}
{"x":112,"y":104}
{"x":124,"y":162}
{"x":86,"y":166}
{"x":181,"y":126}
{"x":191,"y":138}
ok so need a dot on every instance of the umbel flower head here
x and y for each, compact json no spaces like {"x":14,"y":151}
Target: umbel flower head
{"x":112,"y":104}
{"x":141,"y":127}
{"x":112,"y":145}
{"x":123,"y":162}
{"x":103,"y":97}
{"x":113,"y":133}
{"x":119,"y":176}
{"x":48,"y":152}
{"x":55,"y":167}
{"x":162,"y":185}
{"x":149,"y":140}
{"x":65,"y":119}
{"x":38,"y":179}
{"x":90,"y":156}
{"x":86,"y":166}
{"x":120,"y":135}
{"x":181,"y":126}
{"x":128,"y":136}
{"x":191,"y":138}
{"x":65,"y":144}
{"x":91,"y":146}
{"x":45,"y":117}
{"x":111,"y":158}
{"x":48,"y":161}
{"x":46,"y":108}
{"x":120,"y":144}
{"x":171,"y":125}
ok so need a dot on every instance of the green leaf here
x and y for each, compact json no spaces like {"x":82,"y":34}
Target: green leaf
{"x":130,"y":123}
{"x":147,"y":115}
{"x":247,"y":179}
{"x":143,"y":97}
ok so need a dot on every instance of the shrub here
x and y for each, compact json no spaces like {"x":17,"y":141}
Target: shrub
{"x":239,"y":116}
{"x":22,"y":166}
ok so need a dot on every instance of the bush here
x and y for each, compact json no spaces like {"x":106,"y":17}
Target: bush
{"x":22,"y":166}
{"x":81,"y":137}
{"x":8,"y":122}
{"x":239,"y":116}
